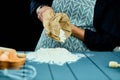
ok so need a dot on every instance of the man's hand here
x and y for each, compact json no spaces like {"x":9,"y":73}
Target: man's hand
{"x":40,"y":11}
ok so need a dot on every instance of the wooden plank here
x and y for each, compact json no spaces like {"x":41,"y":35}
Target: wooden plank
{"x":20,"y":51}
{"x":3,"y":77}
{"x":43,"y":72}
{"x":102,"y":59}
{"x":84,"y":69}
{"x":117,"y":54}
{"x":61,"y":72}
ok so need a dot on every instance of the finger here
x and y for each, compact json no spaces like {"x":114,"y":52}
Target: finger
{"x":40,"y":17}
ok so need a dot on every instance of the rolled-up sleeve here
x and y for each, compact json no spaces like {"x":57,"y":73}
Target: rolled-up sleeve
{"x":100,"y":42}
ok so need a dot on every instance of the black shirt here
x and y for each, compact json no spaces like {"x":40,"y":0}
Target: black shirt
{"x":107,"y":25}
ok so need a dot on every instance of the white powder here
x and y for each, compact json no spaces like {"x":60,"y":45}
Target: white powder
{"x":62,"y":36}
{"x":116,"y":49}
{"x":58,"y":56}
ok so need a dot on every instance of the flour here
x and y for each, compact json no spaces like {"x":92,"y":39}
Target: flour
{"x":58,"y":56}
{"x":62,"y":36}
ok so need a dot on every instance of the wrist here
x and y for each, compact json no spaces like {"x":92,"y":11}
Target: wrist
{"x":78,"y":32}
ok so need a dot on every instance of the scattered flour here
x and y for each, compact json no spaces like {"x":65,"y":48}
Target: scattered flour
{"x":58,"y":56}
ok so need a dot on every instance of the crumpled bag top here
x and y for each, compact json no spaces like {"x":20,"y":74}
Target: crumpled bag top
{"x":54,"y":22}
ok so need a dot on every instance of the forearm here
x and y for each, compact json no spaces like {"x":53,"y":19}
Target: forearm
{"x":78,"y":32}
{"x":94,"y":40}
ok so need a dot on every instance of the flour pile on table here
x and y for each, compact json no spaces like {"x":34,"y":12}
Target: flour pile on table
{"x":58,"y":56}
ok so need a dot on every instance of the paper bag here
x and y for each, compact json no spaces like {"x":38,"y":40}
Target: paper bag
{"x":54,"y":22}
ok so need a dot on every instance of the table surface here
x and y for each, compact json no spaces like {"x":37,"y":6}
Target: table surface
{"x":93,"y":67}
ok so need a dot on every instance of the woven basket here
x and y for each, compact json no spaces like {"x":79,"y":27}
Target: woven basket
{"x":13,"y":61}
{"x":14,"y":64}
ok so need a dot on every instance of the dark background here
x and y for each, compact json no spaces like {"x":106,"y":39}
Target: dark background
{"x":18,"y":29}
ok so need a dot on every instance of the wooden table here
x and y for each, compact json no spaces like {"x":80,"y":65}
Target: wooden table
{"x":93,"y":67}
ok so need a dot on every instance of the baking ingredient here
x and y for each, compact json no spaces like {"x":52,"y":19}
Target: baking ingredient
{"x":58,"y":56}
{"x":114,"y":64}
{"x":62,"y":36}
